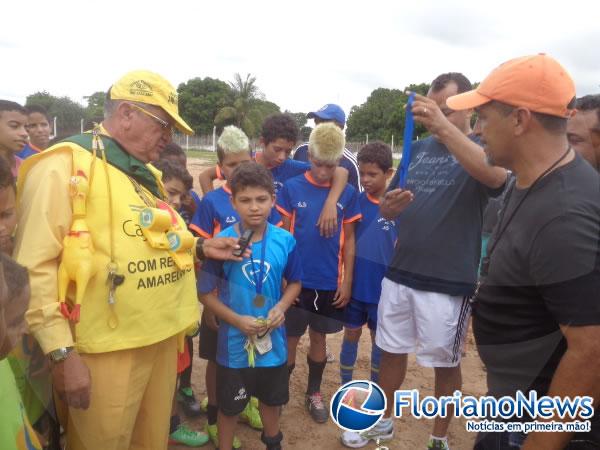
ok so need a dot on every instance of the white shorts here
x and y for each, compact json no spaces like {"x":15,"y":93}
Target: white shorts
{"x":430,"y":324}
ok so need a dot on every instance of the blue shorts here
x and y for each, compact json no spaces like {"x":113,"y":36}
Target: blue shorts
{"x":358,"y":313}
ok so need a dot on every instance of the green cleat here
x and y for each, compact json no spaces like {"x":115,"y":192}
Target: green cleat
{"x":186,"y":436}
{"x":213,"y":434}
{"x":204,"y":405}
{"x":251,"y":415}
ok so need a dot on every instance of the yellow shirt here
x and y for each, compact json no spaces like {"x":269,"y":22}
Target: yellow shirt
{"x":156,"y":300}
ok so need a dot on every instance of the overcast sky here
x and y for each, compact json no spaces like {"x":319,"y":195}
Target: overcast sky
{"x":303,"y":53}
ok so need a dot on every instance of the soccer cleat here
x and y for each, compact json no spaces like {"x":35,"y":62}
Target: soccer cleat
{"x":188,"y":402}
{"x":316,"y":408}
{"x":213,"y":434}
{"x":251,"y":415}
{"x":185,"y":436}
{"x":437,"y":444}
{"x":382,"y":432}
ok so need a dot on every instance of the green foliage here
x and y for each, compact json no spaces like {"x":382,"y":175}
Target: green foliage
{"x":200,"y":100}
{"x":95,"y":106}
{"x":383,"y":115}
{"x":67,"y":112}
{"x":247,"y":108}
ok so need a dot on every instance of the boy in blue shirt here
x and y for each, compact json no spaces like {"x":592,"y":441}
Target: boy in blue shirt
{"x":249,"y":300}
{"x":214,"y":214}
{"x":327,"y":263}
{"x":375,"y":241}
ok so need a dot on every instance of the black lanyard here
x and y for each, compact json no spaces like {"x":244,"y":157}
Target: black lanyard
{"x":485,"y":264}
{"x":258,"y":279}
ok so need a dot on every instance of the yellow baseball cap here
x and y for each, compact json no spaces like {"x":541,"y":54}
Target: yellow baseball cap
{"x":150,"y":88}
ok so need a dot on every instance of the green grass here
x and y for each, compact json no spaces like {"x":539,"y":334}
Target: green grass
{"x":206,"y":155}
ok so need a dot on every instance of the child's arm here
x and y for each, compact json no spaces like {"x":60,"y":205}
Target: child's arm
{"x":327,"y":222}
{"x":246,"y":324}
{"x":344,"y":291}
{"x":286,"y":222}
{"x":277,"y":313}
{"x":206,"y":178}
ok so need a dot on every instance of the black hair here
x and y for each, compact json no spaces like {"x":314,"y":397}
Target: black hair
{"x":38,"y":109}
{"x":6,"y":176}
{"x":7,"y":105}
{"x":377,"y":153}
{"x":589,"y":103}
{"x":462,"y":83}
{"x":170,"y":170}
{"x":251,"y":174}
{"x":550,"y":123}
{"x":173,"y":149}
{"x":15,"y":275}
{"x":279,"y":126}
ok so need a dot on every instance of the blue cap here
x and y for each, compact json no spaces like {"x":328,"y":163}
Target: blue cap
{"x":329,"y":112}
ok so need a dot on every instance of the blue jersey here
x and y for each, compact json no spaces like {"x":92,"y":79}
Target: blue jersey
{"x":288,"y":169}
{"x":216,"y":213}
{"x":28,"y":150}
{"x":302,"y":200}
{"x":348,"y":162}
{"x":236,"y":289}
{"x":375,"y":241}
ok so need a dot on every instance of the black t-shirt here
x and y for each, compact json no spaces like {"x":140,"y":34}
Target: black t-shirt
{"x":543,"y":272}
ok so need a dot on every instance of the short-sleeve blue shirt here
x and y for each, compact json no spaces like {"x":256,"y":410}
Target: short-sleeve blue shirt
{"x":236,"y":289}
{"x":302,"y":199}
{"x":375,"y":241}
{"x":288,"y":169}
{"x":216,"y":213}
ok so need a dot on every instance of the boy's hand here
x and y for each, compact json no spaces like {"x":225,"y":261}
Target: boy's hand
{"x":211,"y":320}
{"x":276,"y":317}
{"x":250,"y":326}
{"x":327,"y":222}
{"x":342,"y":295}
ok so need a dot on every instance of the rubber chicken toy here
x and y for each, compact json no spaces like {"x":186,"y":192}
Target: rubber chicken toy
{"x":78,"y":262}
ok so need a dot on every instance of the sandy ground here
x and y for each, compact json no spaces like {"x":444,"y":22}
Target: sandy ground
{"x":301,"y":433}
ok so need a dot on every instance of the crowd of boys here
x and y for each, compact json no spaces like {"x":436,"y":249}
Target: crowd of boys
{"x":335,"y":245}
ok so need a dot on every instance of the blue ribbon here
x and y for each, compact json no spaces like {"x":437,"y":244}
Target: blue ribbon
{"x":409,"y":127}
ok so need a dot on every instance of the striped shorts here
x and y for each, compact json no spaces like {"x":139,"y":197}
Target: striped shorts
{"x":429,"y":324}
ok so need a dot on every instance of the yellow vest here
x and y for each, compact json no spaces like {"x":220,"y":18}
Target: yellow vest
{"x":156,"y":299}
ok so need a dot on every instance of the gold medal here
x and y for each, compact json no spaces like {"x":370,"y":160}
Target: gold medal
{"x":259,"y":300}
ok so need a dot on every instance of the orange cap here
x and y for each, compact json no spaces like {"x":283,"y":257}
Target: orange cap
{"x":538,"y":83}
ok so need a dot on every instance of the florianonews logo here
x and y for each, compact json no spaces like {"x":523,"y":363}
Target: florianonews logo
{"x":358,"y":405}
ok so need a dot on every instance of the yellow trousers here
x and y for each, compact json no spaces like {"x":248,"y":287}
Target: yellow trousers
{"x":132,"y":395}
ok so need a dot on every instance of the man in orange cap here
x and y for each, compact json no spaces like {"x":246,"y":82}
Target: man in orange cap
{"x":537,"y":312}
{"x":92,"y":213}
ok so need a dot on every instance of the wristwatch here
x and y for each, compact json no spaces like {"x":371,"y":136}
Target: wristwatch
{"x":199,"y":250}
{"x":60,"y":354}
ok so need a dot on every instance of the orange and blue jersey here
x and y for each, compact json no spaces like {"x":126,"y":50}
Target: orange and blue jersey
{"x":375,"y":240}
{"x":28,"y":150}
{"x":216,"y":213}
{"x":302,"y":199}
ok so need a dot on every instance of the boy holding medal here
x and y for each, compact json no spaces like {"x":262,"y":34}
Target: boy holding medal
{"x":248,"y":299}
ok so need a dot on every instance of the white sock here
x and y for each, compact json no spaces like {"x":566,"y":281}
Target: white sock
{"x":436,"y":438}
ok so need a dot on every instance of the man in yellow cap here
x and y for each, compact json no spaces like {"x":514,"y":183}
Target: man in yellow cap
{"x":537,"y":312}
{"x":112,"y":280}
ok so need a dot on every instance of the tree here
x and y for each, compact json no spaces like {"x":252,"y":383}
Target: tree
{"x":248,"y":107}
{"x":299,"y":118}
{"x":200,"y":100}
{"x":95,"y":106}
{"x":67,"y":112}
{"x":383,"y":115}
